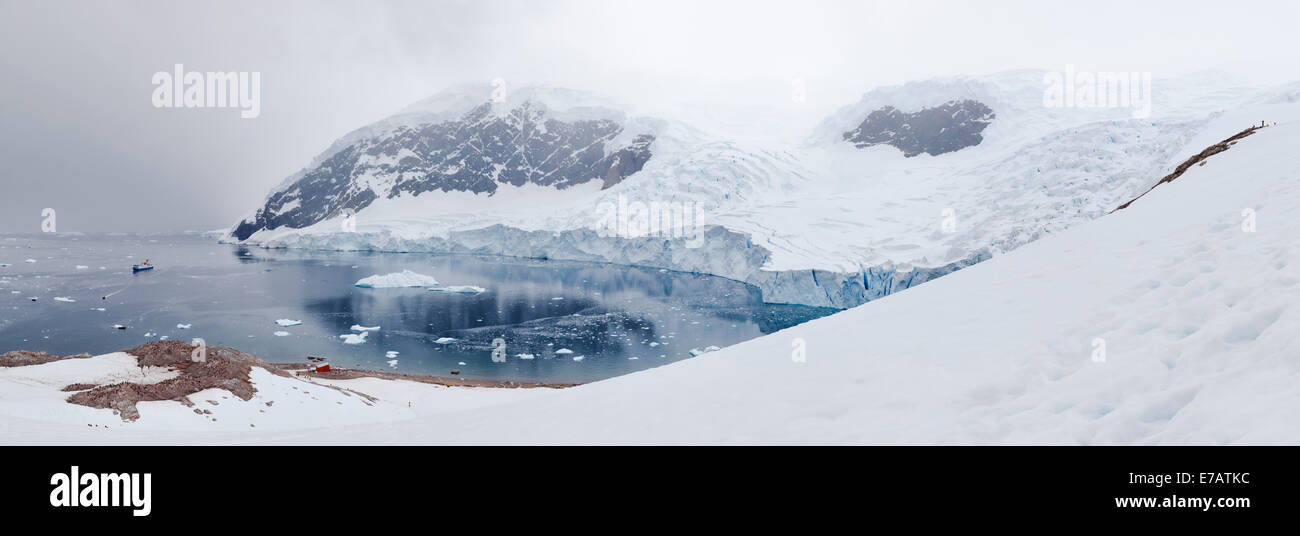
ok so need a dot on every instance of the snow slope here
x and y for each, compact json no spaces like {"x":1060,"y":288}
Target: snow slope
{"x":824,"y":223}
{"x":1199,"y":321}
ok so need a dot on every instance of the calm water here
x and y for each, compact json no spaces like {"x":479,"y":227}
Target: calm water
{"x":619,"y":319}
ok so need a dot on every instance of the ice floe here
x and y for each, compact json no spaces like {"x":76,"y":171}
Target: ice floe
{"x":697,"y":351}
{"x":459,"y":289}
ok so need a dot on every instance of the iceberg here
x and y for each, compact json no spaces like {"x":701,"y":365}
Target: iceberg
{"x":403,"y":279}
{"x":353,"y":338}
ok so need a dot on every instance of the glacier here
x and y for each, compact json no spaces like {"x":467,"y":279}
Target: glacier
{"x":824,"y":223}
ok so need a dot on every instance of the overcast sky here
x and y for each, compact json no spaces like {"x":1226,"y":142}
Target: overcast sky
{"x":78,"y":131}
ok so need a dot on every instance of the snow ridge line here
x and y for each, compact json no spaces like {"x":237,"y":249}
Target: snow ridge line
{"x":1199,"y":158}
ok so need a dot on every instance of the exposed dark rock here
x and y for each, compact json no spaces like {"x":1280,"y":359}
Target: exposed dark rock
{"x":224,"y":368}
{"x":943,"y":129}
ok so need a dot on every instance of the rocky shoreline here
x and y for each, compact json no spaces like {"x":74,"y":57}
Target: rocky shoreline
{"x":170,"y":373}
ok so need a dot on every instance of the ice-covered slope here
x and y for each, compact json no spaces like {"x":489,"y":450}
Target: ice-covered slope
{"x":831,"y":222}
{"x":1165,"y":322}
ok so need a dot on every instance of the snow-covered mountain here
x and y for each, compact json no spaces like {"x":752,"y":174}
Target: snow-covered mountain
{"x":910,"y":183}
{"x":490,"y":145}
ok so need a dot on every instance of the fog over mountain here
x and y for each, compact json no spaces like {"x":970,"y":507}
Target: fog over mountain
{"x":79,"y":133}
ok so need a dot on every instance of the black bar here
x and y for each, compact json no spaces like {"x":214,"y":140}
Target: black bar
{"x":483,"y":483}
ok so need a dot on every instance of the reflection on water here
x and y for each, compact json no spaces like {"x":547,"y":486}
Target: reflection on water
{"x":614,"y":319}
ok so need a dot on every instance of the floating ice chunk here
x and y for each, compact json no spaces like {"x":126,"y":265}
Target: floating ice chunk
{"x":281,"y":334}
{"x":403,"y":279}
{"x":100,"y":309}
{"x":285,"y":322}
{"x":82,"y":267}
{"x":164,"y":337}
{"x":64,"y":299}
{"x":564,"y":351}
{"x":391,"y":354}
{"x":359,"y":327}
{"x":183,"y":326}
{"x":445,"y":340}
{"x":459,"y":289}
{"x":525,"y":356}
{"x":150,"y":334}
{"x":462,"y":363}
{"x":579,"y":357}
{"x":392,"y":363}
{"x":557,"y":298}
{"x":697,"y":352}
{"x":633,"y":358}
{"x":353,"y":338}
{"x":30,"y":261}
{"x":118,"y":326}
{"x":653,"y":344}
